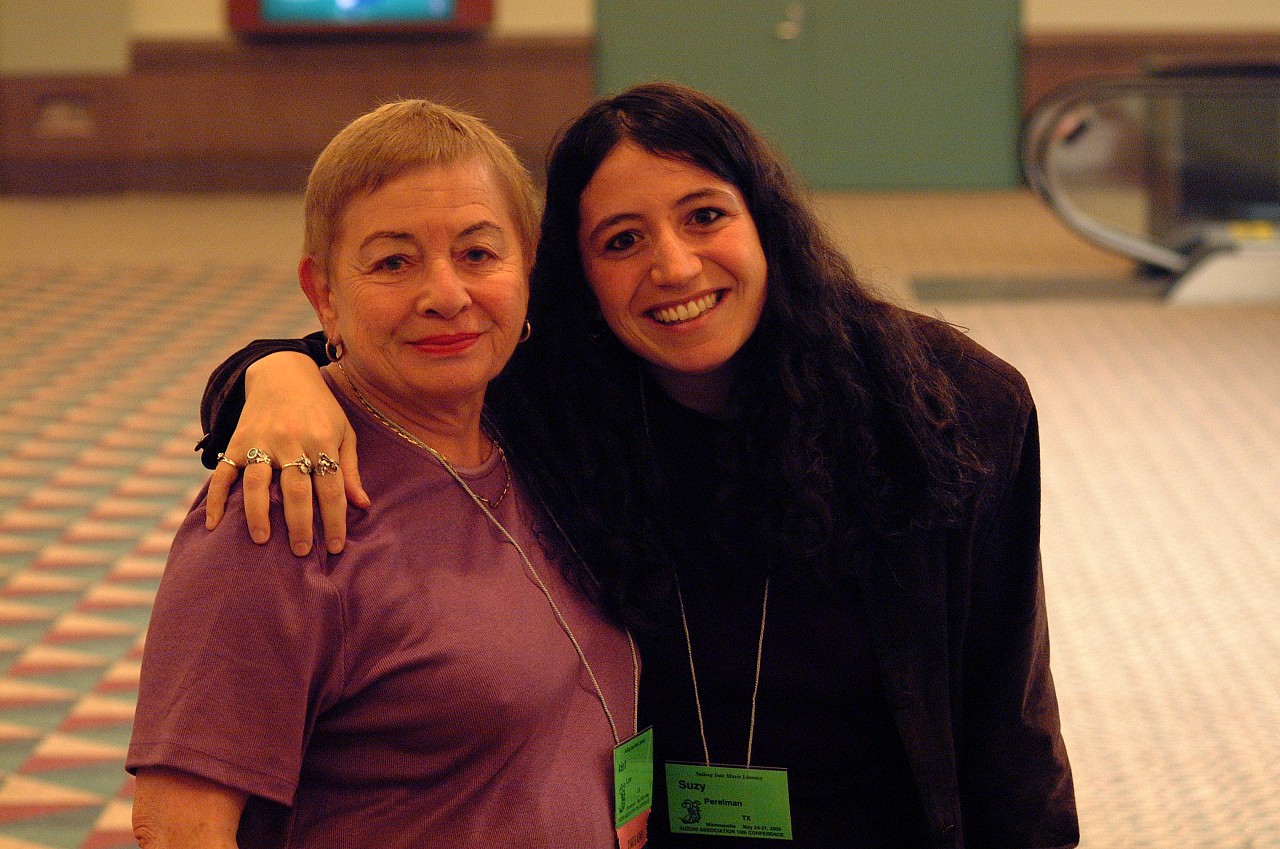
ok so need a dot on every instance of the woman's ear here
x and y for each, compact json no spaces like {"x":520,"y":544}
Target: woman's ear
{"x":315,"y":284}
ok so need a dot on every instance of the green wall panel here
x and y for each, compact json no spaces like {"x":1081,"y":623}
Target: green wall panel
{"x":871,"y":94}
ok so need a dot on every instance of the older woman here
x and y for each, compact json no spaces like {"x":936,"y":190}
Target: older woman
{"x":440,"y":682}
{"x":823,"y":509}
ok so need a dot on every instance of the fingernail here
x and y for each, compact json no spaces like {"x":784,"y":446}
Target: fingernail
{"x":259,"y":536}
{"x":334,"y":546}
{"x":301,"y":548}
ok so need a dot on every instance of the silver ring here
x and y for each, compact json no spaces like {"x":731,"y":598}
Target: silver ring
{"x":326,"y":465}
{"x":257,"y":456}
{"x":302,"y":464}
{"x":223,"y":458}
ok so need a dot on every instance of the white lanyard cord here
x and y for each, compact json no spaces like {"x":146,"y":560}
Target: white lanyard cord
{"x":564,"y":624}
{"x":693,"y":673}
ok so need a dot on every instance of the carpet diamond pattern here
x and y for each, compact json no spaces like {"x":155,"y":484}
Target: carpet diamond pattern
{"x":98,"y":417}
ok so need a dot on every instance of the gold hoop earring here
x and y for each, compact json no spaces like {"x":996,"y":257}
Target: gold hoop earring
{"x":526,"y":333}
{"x":334,"y":350}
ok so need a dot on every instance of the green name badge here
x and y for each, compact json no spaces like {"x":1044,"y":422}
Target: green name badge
{"x":633,"y":789}
{"x":730,"y":801}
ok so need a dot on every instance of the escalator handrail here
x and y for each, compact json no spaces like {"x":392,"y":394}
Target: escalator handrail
{"x":1037,"y":137}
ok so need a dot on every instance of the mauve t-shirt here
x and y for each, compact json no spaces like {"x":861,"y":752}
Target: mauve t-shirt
{"x":415,"y":690}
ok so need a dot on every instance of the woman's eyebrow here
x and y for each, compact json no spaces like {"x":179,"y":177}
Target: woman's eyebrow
{"x":393,"y":235}
{"x":705,"y":194}
{"x":486,"y":227}
{"x":611,"y":221}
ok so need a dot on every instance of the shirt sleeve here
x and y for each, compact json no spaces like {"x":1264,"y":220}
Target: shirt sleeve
{"x":243,"y":652}
{"x":224,"y":393}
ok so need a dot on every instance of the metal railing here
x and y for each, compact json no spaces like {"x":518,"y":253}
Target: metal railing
{"x":1161,"y":167}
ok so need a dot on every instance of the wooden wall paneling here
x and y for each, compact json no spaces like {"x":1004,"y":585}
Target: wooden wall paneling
{"x":229,"y":115}
{"x":525,"y":87}
{"x":1051,"y":60}
{"x":57,"y":133}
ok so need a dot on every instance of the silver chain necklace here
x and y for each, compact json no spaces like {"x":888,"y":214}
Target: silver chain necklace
{"x":487,"y":508}
{"x":395,"y":427}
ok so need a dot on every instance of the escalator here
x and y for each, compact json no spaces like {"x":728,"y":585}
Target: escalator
{"x":1178,"y":170}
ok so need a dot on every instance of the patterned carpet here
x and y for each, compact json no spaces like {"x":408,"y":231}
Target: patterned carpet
{"x":1161,"y":446}
{"x":1161,"y":433}
{"x":98,"y":409}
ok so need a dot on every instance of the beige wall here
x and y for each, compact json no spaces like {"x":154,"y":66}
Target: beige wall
{"x":1152,"y":16}
{"x":75,"y":37}
{"x":94,"y":36}
{"x":162,"y":19}
{"x":165,"y":19}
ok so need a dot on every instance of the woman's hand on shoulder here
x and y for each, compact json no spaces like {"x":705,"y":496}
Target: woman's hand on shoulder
{"x":290,"y":413}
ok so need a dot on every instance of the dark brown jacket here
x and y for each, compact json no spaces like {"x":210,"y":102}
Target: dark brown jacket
{"x":960,"y":631}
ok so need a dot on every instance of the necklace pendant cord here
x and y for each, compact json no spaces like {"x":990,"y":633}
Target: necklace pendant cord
{"x":487,"y":507}
{"x":564,"y":624}
{"x":693,"y":673}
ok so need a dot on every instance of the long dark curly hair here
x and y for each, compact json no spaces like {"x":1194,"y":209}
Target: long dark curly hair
{"x":841,"y":427}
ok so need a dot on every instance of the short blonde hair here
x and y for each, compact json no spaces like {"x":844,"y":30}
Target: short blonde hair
{"x":398,"y":137}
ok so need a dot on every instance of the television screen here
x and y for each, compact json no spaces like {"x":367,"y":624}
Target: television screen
{"x":329,"y":17}
{"x":361,"y":11}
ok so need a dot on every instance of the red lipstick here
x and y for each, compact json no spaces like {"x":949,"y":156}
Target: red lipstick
{"x":445,"y":344}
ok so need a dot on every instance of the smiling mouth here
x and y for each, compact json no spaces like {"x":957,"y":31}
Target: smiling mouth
{"x":687,"y":311}
{"x":445,"y":344}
